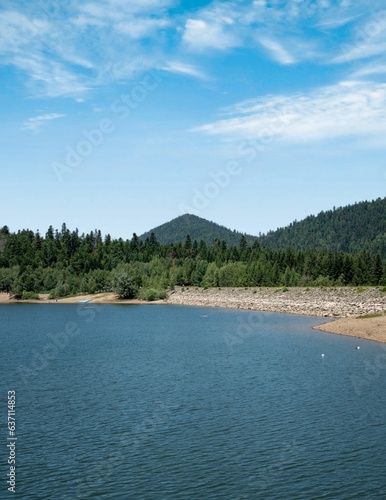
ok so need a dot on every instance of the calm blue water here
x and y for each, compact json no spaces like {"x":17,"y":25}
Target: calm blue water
{"x":172,"y":402}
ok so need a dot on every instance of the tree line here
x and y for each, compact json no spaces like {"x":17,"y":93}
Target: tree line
{"x":63,"y":262}
{"x":348,"y":229}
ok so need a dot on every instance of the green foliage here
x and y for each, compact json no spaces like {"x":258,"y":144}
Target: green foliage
{"x":188,"y":228}
{"x":60,"y":291}
{"x":212,"y":276}
{"x":8,"y":277}
{"x":151,"y":294}
{"x":323,"y":281}
{"x":349,"y":229}
{"x":232,"y":274}
{"x":66,"y":263}
{"x":29,"y":296}
{"x":368,"y":316}
{"x":123,"y":286}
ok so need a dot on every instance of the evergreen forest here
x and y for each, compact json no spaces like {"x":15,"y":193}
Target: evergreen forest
{"x":352,"y":229}
{"x":63,"y":262}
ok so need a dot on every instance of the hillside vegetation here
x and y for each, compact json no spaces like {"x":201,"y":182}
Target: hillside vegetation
{"x":198,"y":229}
{"x":65,"y":263}
{"x":351,"y":229}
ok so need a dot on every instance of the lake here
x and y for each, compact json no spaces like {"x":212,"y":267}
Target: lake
{"x":175,"y":402}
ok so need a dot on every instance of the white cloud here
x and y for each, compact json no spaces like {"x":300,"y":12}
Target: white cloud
{"x":87,"y":45}
{"x":53,"y":77}
{"x":368,"y":70}
{"x":277,"y":50}
{"x":17,"y":31}
{"x":185,"y":69}
{"x":140,"y":6}
{"x":36,"y":122}
{"x":284,"y":28}
{"x":352,"y":52}
{"x":79,"y":48}
{"x":146,"y":27}
{"x":368,"y":40}
{"x":202,"y":34}
{"x":343,"y":110}
{"x":124,"y":10}
{"x":336,"y":22}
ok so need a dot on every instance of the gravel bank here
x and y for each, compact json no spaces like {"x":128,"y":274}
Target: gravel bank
{"x":324,"y":302}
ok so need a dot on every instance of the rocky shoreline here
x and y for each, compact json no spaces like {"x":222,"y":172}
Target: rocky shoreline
{"x":325,"y":302}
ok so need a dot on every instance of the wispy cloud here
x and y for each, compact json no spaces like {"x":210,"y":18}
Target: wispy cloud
{"x":284,"y":29}
{"x":334,"y":22}
{"x":277,"y":50}
{"x":343,"y":110}
{"x":50,"y":78}
{"x":38,"y":121}
{"x":70,"y":49}
{"x":146,"y":28}
{"x":203,"y":34}
{"x":353,"y":52}
{"x":368,"y":39}
{"x":185,"y":69}
{"x":369,"y":70}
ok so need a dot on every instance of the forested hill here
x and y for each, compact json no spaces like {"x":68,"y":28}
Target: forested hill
{"x":351,"y":229}
{"x":65,"y":263}
{"x":198,"y":229}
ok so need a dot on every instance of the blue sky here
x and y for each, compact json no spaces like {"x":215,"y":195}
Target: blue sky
{"x":121,"y":115}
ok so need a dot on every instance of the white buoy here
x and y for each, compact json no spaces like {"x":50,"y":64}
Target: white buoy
{"x":322,"y":355}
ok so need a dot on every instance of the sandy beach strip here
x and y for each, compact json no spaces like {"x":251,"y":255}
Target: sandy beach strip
{"x":99,"y":298}
{"x":363,"y":328}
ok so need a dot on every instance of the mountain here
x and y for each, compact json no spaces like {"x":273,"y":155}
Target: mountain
{"x":198,"y":229}
{"x":353,"y":228}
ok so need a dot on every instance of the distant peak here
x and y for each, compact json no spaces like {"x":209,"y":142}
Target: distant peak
{"x":198,"y":228}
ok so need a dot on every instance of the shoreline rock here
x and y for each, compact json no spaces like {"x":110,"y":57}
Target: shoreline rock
{"x":336,"y":302}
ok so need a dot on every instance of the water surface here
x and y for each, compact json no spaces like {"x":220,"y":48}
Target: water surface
{"x":175,"y":402}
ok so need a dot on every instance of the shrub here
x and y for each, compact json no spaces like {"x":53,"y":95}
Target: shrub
{"x":62,"y":290}
{"x":124,"y":286}
{"x":29,"y":296}
{"x":151,"y":294}
{"x":368,"y":316}
{"x":323,"y":281}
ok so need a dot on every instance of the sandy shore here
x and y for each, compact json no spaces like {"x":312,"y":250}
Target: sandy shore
{"x":363,"y":328}
{"x":99,"y":298}
{"x":347,"y":304}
